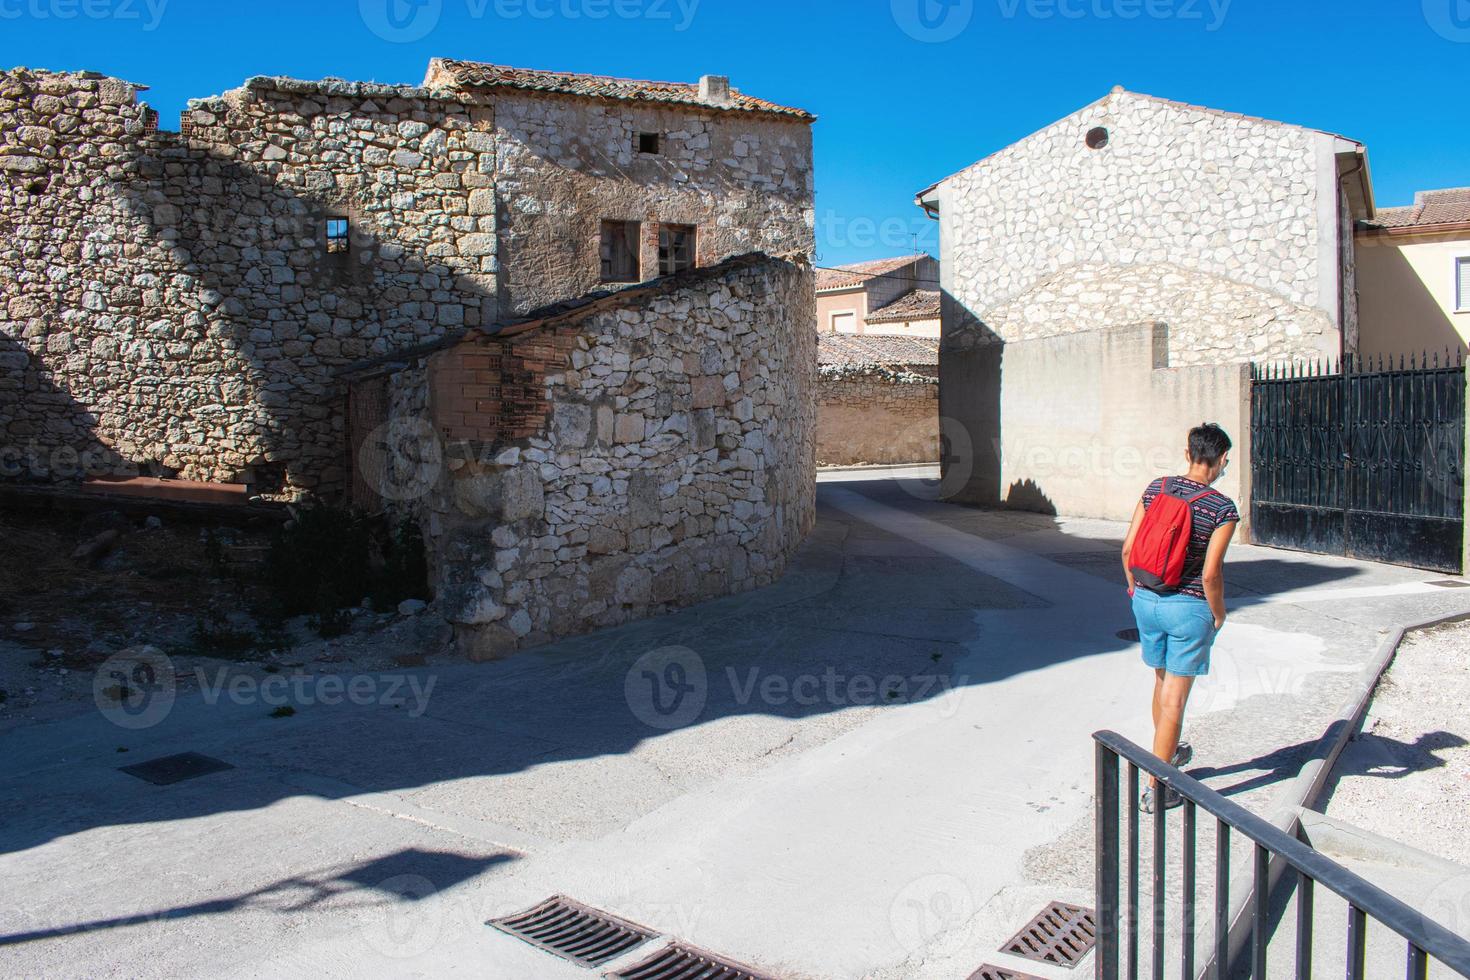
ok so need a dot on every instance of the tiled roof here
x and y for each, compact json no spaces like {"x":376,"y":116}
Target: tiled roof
{"x":1444,"y":207}
{"x":477,"y":74}
{"x":850,"y":350}
{"x":917,"y":304}
{"x":855,"y":274}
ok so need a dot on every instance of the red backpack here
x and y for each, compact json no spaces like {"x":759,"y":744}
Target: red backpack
{"x":1159,"y":548}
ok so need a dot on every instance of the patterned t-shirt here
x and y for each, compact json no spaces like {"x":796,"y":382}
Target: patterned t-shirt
{"x":1206,"y":514}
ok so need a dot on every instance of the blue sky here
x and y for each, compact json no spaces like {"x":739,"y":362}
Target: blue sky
{"x":908,"y":91}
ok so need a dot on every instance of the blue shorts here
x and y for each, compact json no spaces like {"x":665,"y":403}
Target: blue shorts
{"x":1176,"y":631}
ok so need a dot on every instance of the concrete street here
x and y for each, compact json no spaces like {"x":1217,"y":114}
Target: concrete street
{"x":878,"y":767}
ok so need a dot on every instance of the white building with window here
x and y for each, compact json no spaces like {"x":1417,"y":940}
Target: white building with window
{"x":1414,"y":276}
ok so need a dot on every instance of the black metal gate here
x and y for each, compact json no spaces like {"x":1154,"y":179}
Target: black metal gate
{"x":1362,"y":459}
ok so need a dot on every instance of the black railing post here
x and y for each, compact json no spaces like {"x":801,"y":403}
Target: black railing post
{"x":1106,"y":823}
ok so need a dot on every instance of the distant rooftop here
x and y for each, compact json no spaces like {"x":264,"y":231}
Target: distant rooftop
{"x":858,"y":272}
{"x":846,"y":350}
{"x":713,"y":92}
{"x":1450,"y":206}
{"x":916,"y":304}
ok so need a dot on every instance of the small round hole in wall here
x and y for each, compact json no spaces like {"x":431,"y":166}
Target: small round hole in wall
{"x":1097,"y":138}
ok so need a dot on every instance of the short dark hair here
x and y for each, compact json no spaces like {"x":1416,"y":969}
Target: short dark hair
{"x":1207,"y":443}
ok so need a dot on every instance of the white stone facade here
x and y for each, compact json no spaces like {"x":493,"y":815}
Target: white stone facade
{"x":1223,"y":227}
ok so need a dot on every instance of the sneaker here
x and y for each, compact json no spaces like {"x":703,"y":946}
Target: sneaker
{"x":1171,"y":799}
{"x":1183,"y":755}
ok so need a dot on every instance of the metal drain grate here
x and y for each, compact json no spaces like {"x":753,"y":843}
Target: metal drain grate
{"x":175,"y":768}
{"x":991,"y":972}
{"x":1130,"y":635}
{"x":586,"y":936}
{"x":678,"y":961}
{"x":1061,"y":934}
{"x":1451,"y":583}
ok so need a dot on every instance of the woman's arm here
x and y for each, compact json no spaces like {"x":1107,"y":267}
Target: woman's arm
{"x":1214,"y":576}
{"x":1128,"y":545}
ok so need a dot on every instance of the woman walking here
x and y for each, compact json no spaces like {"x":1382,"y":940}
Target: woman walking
{"x":1174,"y":560}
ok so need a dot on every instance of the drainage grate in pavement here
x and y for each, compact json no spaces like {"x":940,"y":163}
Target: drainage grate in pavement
{"x":989,"y":972}
{"x":1451,"y":583}
{"x":1129,"y":635}
{"x":1061,"y":934}
{"x":586,"y":936}
{"x":679,"y":961}
{"x":175,"y":768}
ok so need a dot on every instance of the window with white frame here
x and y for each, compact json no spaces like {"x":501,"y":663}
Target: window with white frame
{"x":1462,"y":284}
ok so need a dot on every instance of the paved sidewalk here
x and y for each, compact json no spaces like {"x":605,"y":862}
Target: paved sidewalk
{"x":883,"y":769}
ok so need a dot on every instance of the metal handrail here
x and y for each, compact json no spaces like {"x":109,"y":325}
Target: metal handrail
{"x":1425,"y":937}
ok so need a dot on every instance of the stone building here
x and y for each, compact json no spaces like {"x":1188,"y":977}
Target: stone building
{"x":605,"y":458}
{"x":1201,"y":238}
{"x":877,"y":399}
{"x":534,"y":309}
{"x":179,"y":303}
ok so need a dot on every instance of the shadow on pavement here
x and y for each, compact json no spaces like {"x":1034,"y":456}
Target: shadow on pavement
{"x":405,"y":876}
{"x":1383,"y":757}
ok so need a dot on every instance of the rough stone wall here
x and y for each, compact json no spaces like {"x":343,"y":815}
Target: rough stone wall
{"x":170,"y":297}
{"x":1206,"y":221}
{"x":568,"y":164}
{"x":170,"y":305}
{"x":876,"y":415}
{"x":676,"y":463}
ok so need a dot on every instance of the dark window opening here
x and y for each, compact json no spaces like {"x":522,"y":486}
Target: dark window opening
{"x":620,"y":251}
{"x":675,"y":249}
{"x":1097,"y":138}
{"x":648,"y":143}
{"x":338,"y":230}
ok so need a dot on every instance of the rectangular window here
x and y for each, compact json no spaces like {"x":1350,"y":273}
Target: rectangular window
{"x":620,"y":251}
{"x":337,"y":234}
{"x":1462,"y":284}
{"x":675,"y":249}
{"x":844,"y":322}
{"x":648,"y":143}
